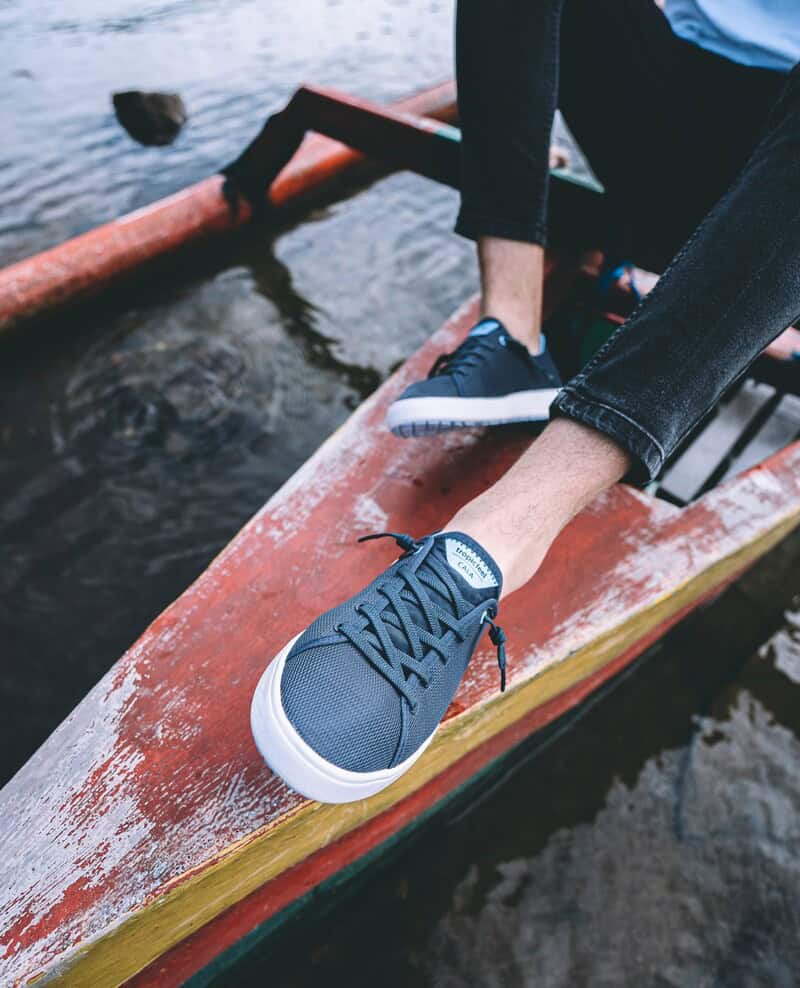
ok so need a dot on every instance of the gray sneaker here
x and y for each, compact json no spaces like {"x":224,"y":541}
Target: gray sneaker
{"x":350,"y":704}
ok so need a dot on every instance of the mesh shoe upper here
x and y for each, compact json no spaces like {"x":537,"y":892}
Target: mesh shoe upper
{"x":368,"y":682}
{"x":489,"y":363}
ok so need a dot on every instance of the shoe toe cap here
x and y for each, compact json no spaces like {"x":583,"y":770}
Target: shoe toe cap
{"x":433,"y":387}
{"x":342,"y":707}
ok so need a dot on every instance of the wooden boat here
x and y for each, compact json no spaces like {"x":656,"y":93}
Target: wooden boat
{"x":105,"y":256}
{"x":146,"y":837}
{"x":285,"y":166}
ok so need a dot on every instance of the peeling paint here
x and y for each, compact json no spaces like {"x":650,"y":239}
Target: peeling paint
{"x":154,"y":775}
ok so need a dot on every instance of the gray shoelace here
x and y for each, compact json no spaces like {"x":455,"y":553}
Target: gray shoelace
{"x":421,"y":630}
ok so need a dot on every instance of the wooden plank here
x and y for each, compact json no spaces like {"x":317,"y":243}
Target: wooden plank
{"x":149,"y":813}
{"x":686,"y":476}
{"x":781,"y":428}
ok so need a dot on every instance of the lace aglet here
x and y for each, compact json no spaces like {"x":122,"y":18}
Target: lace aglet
{"x":406,"y":543}
{"x":498,"y":637}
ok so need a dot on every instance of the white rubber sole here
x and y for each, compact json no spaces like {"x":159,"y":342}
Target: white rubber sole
{"x":295,"y":761}
{"x":423,"y":416}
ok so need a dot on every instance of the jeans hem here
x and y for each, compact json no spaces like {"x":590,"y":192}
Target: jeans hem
{"x":632,"y":437}
{"x":474,"y":225}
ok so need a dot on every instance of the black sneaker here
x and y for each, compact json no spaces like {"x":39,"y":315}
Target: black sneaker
{"x":491,"y":379}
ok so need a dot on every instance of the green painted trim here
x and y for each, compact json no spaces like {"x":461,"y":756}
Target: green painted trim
{"x":573,"y":178}
{"x":452,"y":133}
{"x":383,"y":854}
{"x":350,"y":875}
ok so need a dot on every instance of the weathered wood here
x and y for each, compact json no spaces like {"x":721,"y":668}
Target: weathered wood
{"x":686,"y":476}
{"x":781,"y":428}
{"x":257,"y":911}
{"x":149,"y":813}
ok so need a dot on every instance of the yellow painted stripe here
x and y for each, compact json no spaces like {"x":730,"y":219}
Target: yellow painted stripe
{"x":195,"y":899}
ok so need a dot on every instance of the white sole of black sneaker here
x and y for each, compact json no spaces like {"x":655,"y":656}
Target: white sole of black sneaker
{"x":295,"y":761}
{"x":424,"y":416}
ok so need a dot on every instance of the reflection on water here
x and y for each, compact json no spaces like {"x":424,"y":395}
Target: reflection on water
{"x":687,"y":876}
{"x":654,"y":844}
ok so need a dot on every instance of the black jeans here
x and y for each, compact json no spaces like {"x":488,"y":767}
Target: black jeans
{"x":698,"y":155}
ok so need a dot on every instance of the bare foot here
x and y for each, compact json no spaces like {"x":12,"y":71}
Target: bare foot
{"x":559,"y":156}
{"x":786,"y":346}
{"x":643,"y":281}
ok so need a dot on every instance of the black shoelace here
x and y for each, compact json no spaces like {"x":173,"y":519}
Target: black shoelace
{"x":473,"y":350}
{"x":469,"y":354}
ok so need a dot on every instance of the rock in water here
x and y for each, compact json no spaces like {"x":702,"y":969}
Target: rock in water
{"x":150,"y":118}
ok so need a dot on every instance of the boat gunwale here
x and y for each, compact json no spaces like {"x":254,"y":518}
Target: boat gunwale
{"x":96,"y":961}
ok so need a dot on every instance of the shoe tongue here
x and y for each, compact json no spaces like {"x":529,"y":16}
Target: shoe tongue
{"x":475,"y":573}
{"x":486,"y":326}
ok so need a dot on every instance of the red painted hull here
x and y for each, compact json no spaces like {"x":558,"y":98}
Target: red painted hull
{"x":149,"y":816}
{"x":205,"y":946}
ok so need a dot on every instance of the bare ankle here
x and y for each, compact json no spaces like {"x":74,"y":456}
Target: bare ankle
{"x":511,"y":280}
{"x":519,"y":518}
{"x":517,"y":325}
{"x":518,"y":554}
